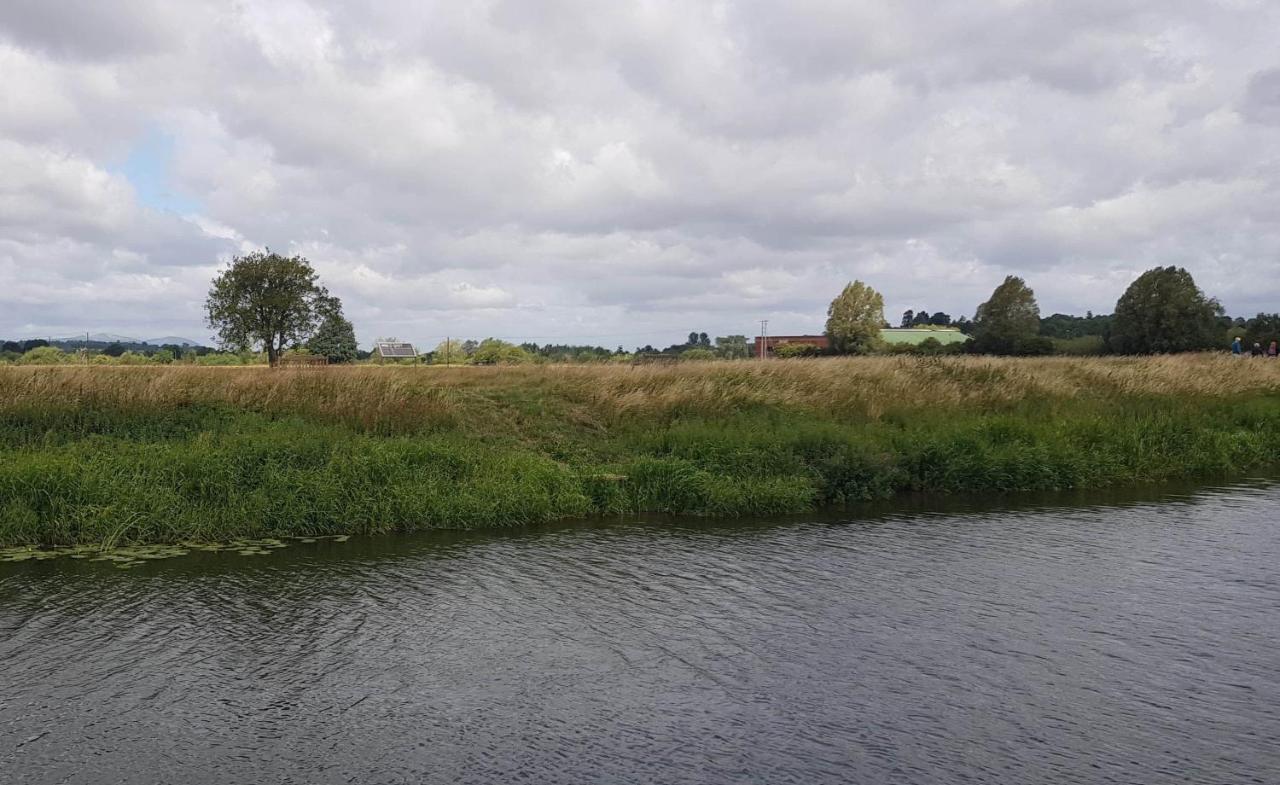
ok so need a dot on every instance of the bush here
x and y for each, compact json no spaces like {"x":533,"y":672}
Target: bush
{"x":791,"y":350}
{"x":219,"y":358}
{"x":130,"y":358}
{"x":492,"y":351}
{"x":44,"y":355}
{"x":698,"y":353}
{"x":1083,"y":346}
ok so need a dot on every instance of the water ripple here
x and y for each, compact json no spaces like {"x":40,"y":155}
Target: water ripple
{"x":1063,"y":643}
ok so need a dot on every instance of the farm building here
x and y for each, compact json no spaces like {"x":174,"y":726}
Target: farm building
{"x":772,"y":342}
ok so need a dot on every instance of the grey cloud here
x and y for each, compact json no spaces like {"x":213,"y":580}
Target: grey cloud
{"x":519,"y":169}
{"x":1262,"y":99}
{"x":89,"y":29}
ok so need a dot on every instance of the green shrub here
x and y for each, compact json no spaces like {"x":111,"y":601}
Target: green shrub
{"x":44,"y":355}
{"x":793,"y":350}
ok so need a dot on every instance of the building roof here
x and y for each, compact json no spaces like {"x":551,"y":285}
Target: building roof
{"x":914,"y":335}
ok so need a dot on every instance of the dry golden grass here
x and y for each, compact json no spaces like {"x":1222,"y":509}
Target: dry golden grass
{"x":430,"y":396}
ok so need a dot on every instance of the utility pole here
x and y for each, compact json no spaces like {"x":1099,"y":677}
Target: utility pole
{"x":447,"y":341}
{"x":764,"y":338}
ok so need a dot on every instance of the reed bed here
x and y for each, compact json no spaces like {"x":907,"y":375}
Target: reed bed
{"x":147,"y":454}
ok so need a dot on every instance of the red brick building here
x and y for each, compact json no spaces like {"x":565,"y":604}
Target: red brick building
{"x":774,"y":341}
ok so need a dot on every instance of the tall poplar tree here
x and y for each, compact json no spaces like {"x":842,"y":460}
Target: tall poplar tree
{"x":1009,"y":322}
{"x":854,"y":319}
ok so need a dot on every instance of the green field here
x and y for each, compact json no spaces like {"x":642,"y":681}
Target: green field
{"x":147,"y":455}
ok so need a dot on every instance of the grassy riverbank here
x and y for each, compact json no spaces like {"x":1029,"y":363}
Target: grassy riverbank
{"x":128,"y":455}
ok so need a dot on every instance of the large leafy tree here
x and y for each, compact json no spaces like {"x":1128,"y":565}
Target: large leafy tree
{"x":335,"y":338}
{"x":265,"y":300}
{"x":855,"y":318}
{"x":1009,"y":322}
{"x":1164,"y":311}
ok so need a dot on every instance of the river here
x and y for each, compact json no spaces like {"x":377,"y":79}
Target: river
{"x":1072,"y":639}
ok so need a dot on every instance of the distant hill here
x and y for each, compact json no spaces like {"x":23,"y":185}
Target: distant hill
{"x":97,"y":338}
{"x":96,"y":342}
{"x":127,"y":340}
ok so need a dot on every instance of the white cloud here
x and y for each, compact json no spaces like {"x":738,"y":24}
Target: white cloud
{"x":628,"y":172}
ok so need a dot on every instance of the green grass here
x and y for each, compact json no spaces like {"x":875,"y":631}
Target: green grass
{"x":155,"y":456}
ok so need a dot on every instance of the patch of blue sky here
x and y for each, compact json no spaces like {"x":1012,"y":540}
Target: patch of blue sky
{"x":148,"y":168}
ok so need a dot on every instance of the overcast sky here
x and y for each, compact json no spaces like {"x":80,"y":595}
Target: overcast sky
{"x":625,"y":172}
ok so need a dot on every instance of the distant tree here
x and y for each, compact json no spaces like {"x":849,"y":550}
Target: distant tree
{"x":12,"y":347}
{"x":1061,"y":325}
{"x":1263,"y":328}
{"x":964,"y":325}
{"x":264,"y":300}
{"x":44,"y":355}
{"x":335,"y":338}
{"x":448,"y":352}
{"x":854,"y":319}
{"x":163,"y":356}
{"x":114,"y":349}
{"x":1164,"y":311}
{"x":922,"y":317}
{"x":1009,"y":322}
{"x":940,"y":319}
{"x":908,"y":318}
{"x":733,"y":347}
{"x":491,"y":351}
{"x":33,"y":343}
{"x":469,"y":346}
{"x":698,"y":353}
{"x":693,"y":339}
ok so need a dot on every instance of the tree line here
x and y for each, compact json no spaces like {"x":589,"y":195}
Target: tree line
{"x":1163,"y":311}
{"x":268,"y":304}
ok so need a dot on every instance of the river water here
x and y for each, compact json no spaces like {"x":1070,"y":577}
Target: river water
{"x":1073,"y":639}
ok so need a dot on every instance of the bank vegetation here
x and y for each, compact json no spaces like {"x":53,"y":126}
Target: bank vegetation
{"x":164,"y":454}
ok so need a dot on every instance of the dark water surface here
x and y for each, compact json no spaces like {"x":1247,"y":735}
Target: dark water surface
{"x":1073,"y":640}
